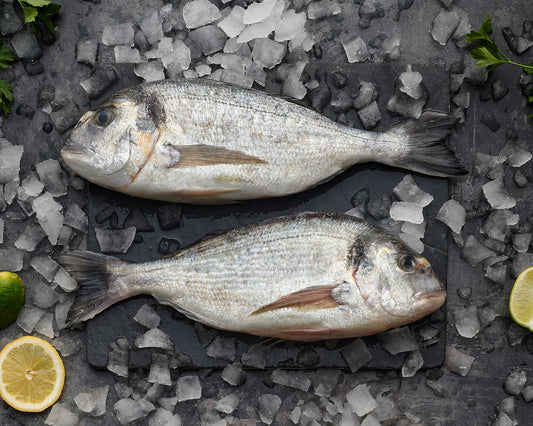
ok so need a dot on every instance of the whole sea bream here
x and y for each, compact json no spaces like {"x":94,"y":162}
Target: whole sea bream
{"x":205,"y":142}
{"x":305,"y":277}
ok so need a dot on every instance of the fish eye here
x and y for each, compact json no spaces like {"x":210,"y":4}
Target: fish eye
{"x":407,"y":262}
{"x":103,"y":117}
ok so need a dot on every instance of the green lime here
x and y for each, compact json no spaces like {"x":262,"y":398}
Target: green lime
{"x":11,"y":297}
{"x":521,"y":299}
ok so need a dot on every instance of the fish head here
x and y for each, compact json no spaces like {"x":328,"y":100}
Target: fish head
{"x":111,"y":143}
{"x":399,"y":281}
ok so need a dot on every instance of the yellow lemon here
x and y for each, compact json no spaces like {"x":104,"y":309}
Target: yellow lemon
{"x":11,"y":297}
{"x":521,"y":300}
{"x":31,"y":374}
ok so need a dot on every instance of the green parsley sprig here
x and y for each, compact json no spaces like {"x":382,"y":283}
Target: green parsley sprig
{"x":488,"y":54}
{"x":6,"y":92}
{"x":39,"y":10}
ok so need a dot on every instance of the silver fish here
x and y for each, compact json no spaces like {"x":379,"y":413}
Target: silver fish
{"x":205,"y":142}
{"x":305,"y":277}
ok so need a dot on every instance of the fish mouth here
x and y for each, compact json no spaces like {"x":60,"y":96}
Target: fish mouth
{"x":431,"y":295}
{"x":70,"y":152}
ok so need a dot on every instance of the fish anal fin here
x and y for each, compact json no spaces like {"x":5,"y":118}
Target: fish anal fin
{"x":310,"y":298}
{"x":208,"y":155}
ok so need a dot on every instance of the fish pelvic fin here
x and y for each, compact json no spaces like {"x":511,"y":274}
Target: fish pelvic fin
{"x":310,"y":298}
{"x":427,"y":152}
{"x":99,"y":285}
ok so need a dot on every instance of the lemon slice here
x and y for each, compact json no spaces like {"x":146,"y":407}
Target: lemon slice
{"x":521,"y":300}
{"x":31,"y":374}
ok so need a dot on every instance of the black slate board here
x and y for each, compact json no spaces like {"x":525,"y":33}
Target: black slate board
{"x":198,"y":221}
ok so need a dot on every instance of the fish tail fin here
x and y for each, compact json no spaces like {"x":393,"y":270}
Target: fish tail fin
{"x":427,"y":152}
{"x":99,"y":286}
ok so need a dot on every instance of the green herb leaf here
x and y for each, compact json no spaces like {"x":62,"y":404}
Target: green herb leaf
{"x":30,"y":13}
{"x":484,"y":32}
{"x":35,"y":3}
{"x":47,"y":13}
{"x":6,"y":97}
{"x":6,"y":57}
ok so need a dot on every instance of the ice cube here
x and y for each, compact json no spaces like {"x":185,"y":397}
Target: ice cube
{"x":95,"y":399}
{"x":76,"y":218}
{"x":151,"y":27}
{"x":457,"y":361}
{"x":147,"y":316}
{"x":127,"y":410}
{"x":289,"y":26}
{"x":323,"y":8}
{"x":474,"y":252}
{"x":45,"y":266}
{"x":60,"y":415}
{"x":45,"y":326}
{"x":118,"y":34}
{"x":67,"y":344}
{"x":398,"y":340}
{"x":209,"y":39}
{"x":198,"y":13}
{"x":127,"y":55}
{"x":409,"y":96}
{"x":444,"y":26}
{"x":233,"y":374}
{"x":51,"y":175}
{"x":188,"y":388}
{"x":222,"y":348}
{"x":515,"y":382}
{"x":159,"y":369}
{"x":251,"y":32}
{"x":154,"y":338}
{"x":257,"y":12}
{"x":413,"y":362}
{"x":366,"y":93}
{"x":267,"y":407}
{"x":467,"y":322}
{"x":496,"y":195}
{"x":178,"y":60}
{"x":514,"y":155}
{"x":361,"y":401}
{"x":44,"y":295}
{"x":356,"y":354}
{"x":498,"y":223}
{"x":32,"y":186}
{"x":520,"y":262}
{"x":453,"y":215}
{"x":267,"y":53}
{"x":233,"y":24}
{"x":292,"y":86}
{"x":118,"y":357}
{"x":527,"y":393}
{"x":228,"y":404}
{"x":115,"y":240}
{"x":412,"y":241}
{"x":356,"y":49}
{"x":164,"y":417}
{"x":25,"y":45}
{"x":62,"y":309}
{"x":10,"y":163}
{"x":293,"y":379}
{"x":407,"y":190}
{"x":28,"y":318}
{"x":86,"y":51}
{"x":30,"y":238}
{"x":255,"y":356}
{"x":369,"y":115}
{"x":64,"y":280}
{"x":407,"y":212}
{"x":150,"y":71}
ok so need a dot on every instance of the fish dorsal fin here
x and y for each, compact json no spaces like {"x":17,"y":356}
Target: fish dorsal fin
{"x":207,"y":155}
{"x":310,"y":298}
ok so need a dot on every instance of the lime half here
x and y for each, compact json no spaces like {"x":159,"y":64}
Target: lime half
{"x":12,"y":297}
{"x":521,"y":300}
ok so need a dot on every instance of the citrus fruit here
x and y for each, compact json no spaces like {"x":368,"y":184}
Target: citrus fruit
{"x":31,"y":374}
{"x":11,"y":297}
{"x":521,"y":300}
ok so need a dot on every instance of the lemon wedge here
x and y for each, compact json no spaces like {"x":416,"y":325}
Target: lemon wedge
{"x":521,"y":300}
{"x":31,"y":374}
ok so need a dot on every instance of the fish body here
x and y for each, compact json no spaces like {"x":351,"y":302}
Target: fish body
{"x":305,"y":277}
{"x":201,"y":141}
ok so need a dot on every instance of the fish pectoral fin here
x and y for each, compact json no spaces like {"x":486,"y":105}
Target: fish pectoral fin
{"x":310,"y":298}
{"x":208,"y":155}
